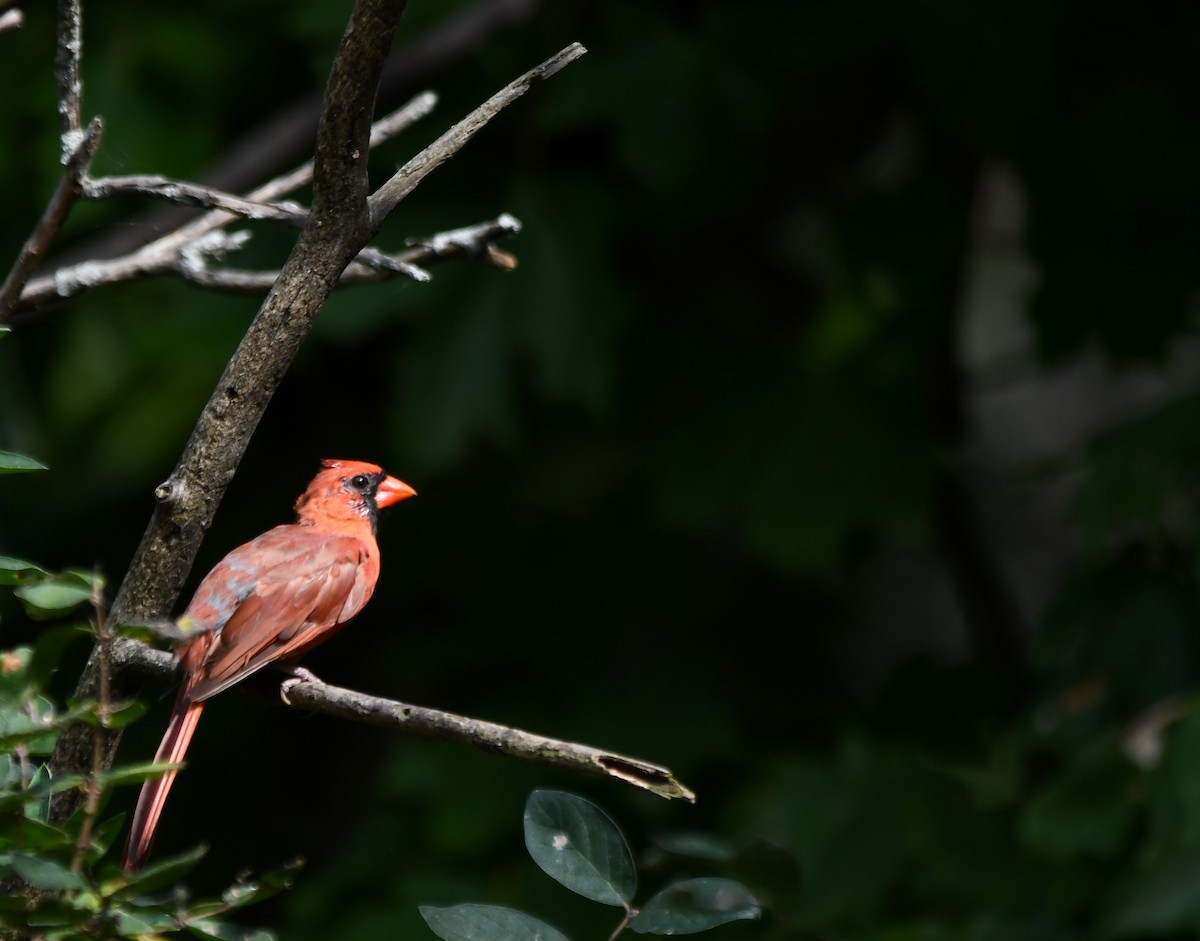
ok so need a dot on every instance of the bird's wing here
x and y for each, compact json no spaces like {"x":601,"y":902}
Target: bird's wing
{"x":305,"y":585}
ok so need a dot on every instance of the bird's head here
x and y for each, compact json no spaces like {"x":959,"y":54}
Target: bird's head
{"x":346,"y":491}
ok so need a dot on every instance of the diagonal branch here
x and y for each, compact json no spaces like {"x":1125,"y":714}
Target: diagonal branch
{"x":372,"y":266}
{"x":66,"y":194}
{"x":192,"y":194}
{"x":314,"y":694}
{"x":66,"y":69}
{"x":412,"y":173}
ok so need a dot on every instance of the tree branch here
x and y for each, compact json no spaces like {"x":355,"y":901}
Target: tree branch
{"x":192,"y":194}
{"x":318,"y":696}
{"x":372,"y":266}
{"x":412,"y":173}
{"x":66,"y":70}
{"x":66,"y":194}
{"x":11,"y":19}
{"x":166,"y":254}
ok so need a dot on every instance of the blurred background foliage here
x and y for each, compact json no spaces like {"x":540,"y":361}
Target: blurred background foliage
{"x":835,"y":444}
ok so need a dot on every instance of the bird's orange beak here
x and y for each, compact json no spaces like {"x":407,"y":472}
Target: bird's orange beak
{"x":392,"y":491}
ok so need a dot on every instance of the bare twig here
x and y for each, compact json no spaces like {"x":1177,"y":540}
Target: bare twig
{"x":314,"y":694}
{"x":412,"y":173}
{"x":66,"y":194}
{"x":166,"y":254}
{"x":70,"y":85}
{"x":190,"y":262}
{"x":280,"y":137}
{"x":290,"y":130}
{"x":372,"y":266}
{"x":192,"y":194}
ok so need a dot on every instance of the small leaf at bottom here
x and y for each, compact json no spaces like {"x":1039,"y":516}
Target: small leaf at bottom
{"x":696,"y":905}
{"x":486,"y":923}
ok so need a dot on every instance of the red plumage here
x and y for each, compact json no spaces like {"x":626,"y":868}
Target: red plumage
{"x":271,"y":600}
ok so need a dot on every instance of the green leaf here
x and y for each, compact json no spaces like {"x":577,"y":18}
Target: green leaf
{"x":138,"y":774}
{"x":13,"y":571}
{"x":696,"y":905}
{"x":11,"y":463}
{"x":39,"y":791}
{"x":486,"y":923}
{"x":45,"y":873}
{"x":31,"y":835}
{"x":143,"y":923}
{"x":126,"y":714}
{"x":4,"y":331}
{"x":54,"y":595}
{"x":224,"y":931}
{"x":37,"y":730}
{"x":161,"y":874}
{"x":575,"y":842}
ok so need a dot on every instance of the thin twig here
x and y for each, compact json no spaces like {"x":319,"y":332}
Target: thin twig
{"x":412,"y":173}
{"x":372,"y":266}
{"x":318,"y":696}
{"x":165,"y":254}
{"x":66,"y":194}
{"x":289,"y":131}
{"x":191,"y":263}
{"x":192,"y":194}
{"x":66,"y":69}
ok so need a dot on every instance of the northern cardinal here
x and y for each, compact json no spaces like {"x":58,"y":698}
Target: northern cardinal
{"x":271,"y":600}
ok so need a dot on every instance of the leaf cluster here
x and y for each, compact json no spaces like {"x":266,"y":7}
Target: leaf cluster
{"x":62,"y":880}
{"x":577,"y":844}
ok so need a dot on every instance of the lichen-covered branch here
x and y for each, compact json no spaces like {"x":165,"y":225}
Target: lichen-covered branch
{"x":170,"y":253}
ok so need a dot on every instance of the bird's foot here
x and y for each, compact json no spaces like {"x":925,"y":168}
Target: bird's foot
{"x":298,"y":675}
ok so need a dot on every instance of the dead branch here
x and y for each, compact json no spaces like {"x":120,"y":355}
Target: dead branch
{"x":169,"y":254}
{"x":192,"y":194}
{"x":412,"y":173}
{"x":66,"y":194}
{"x":372,"y":266}
{"x":318,"y":696}
{"x":66,"y":70}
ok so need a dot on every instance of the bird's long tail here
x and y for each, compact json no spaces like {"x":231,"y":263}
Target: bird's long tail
{"x":154,"y":793}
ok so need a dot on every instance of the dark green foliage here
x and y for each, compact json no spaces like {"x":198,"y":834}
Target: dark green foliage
{"x":577,"y":844}
{"x":62,"y":882}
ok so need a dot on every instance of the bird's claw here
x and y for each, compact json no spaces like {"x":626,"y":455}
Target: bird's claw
{"x":299,"y":675}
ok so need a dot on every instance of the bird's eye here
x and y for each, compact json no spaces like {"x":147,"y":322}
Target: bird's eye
{"x":360,"y":481}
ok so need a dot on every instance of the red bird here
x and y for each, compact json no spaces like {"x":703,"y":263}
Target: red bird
{"x":271,"y":600}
